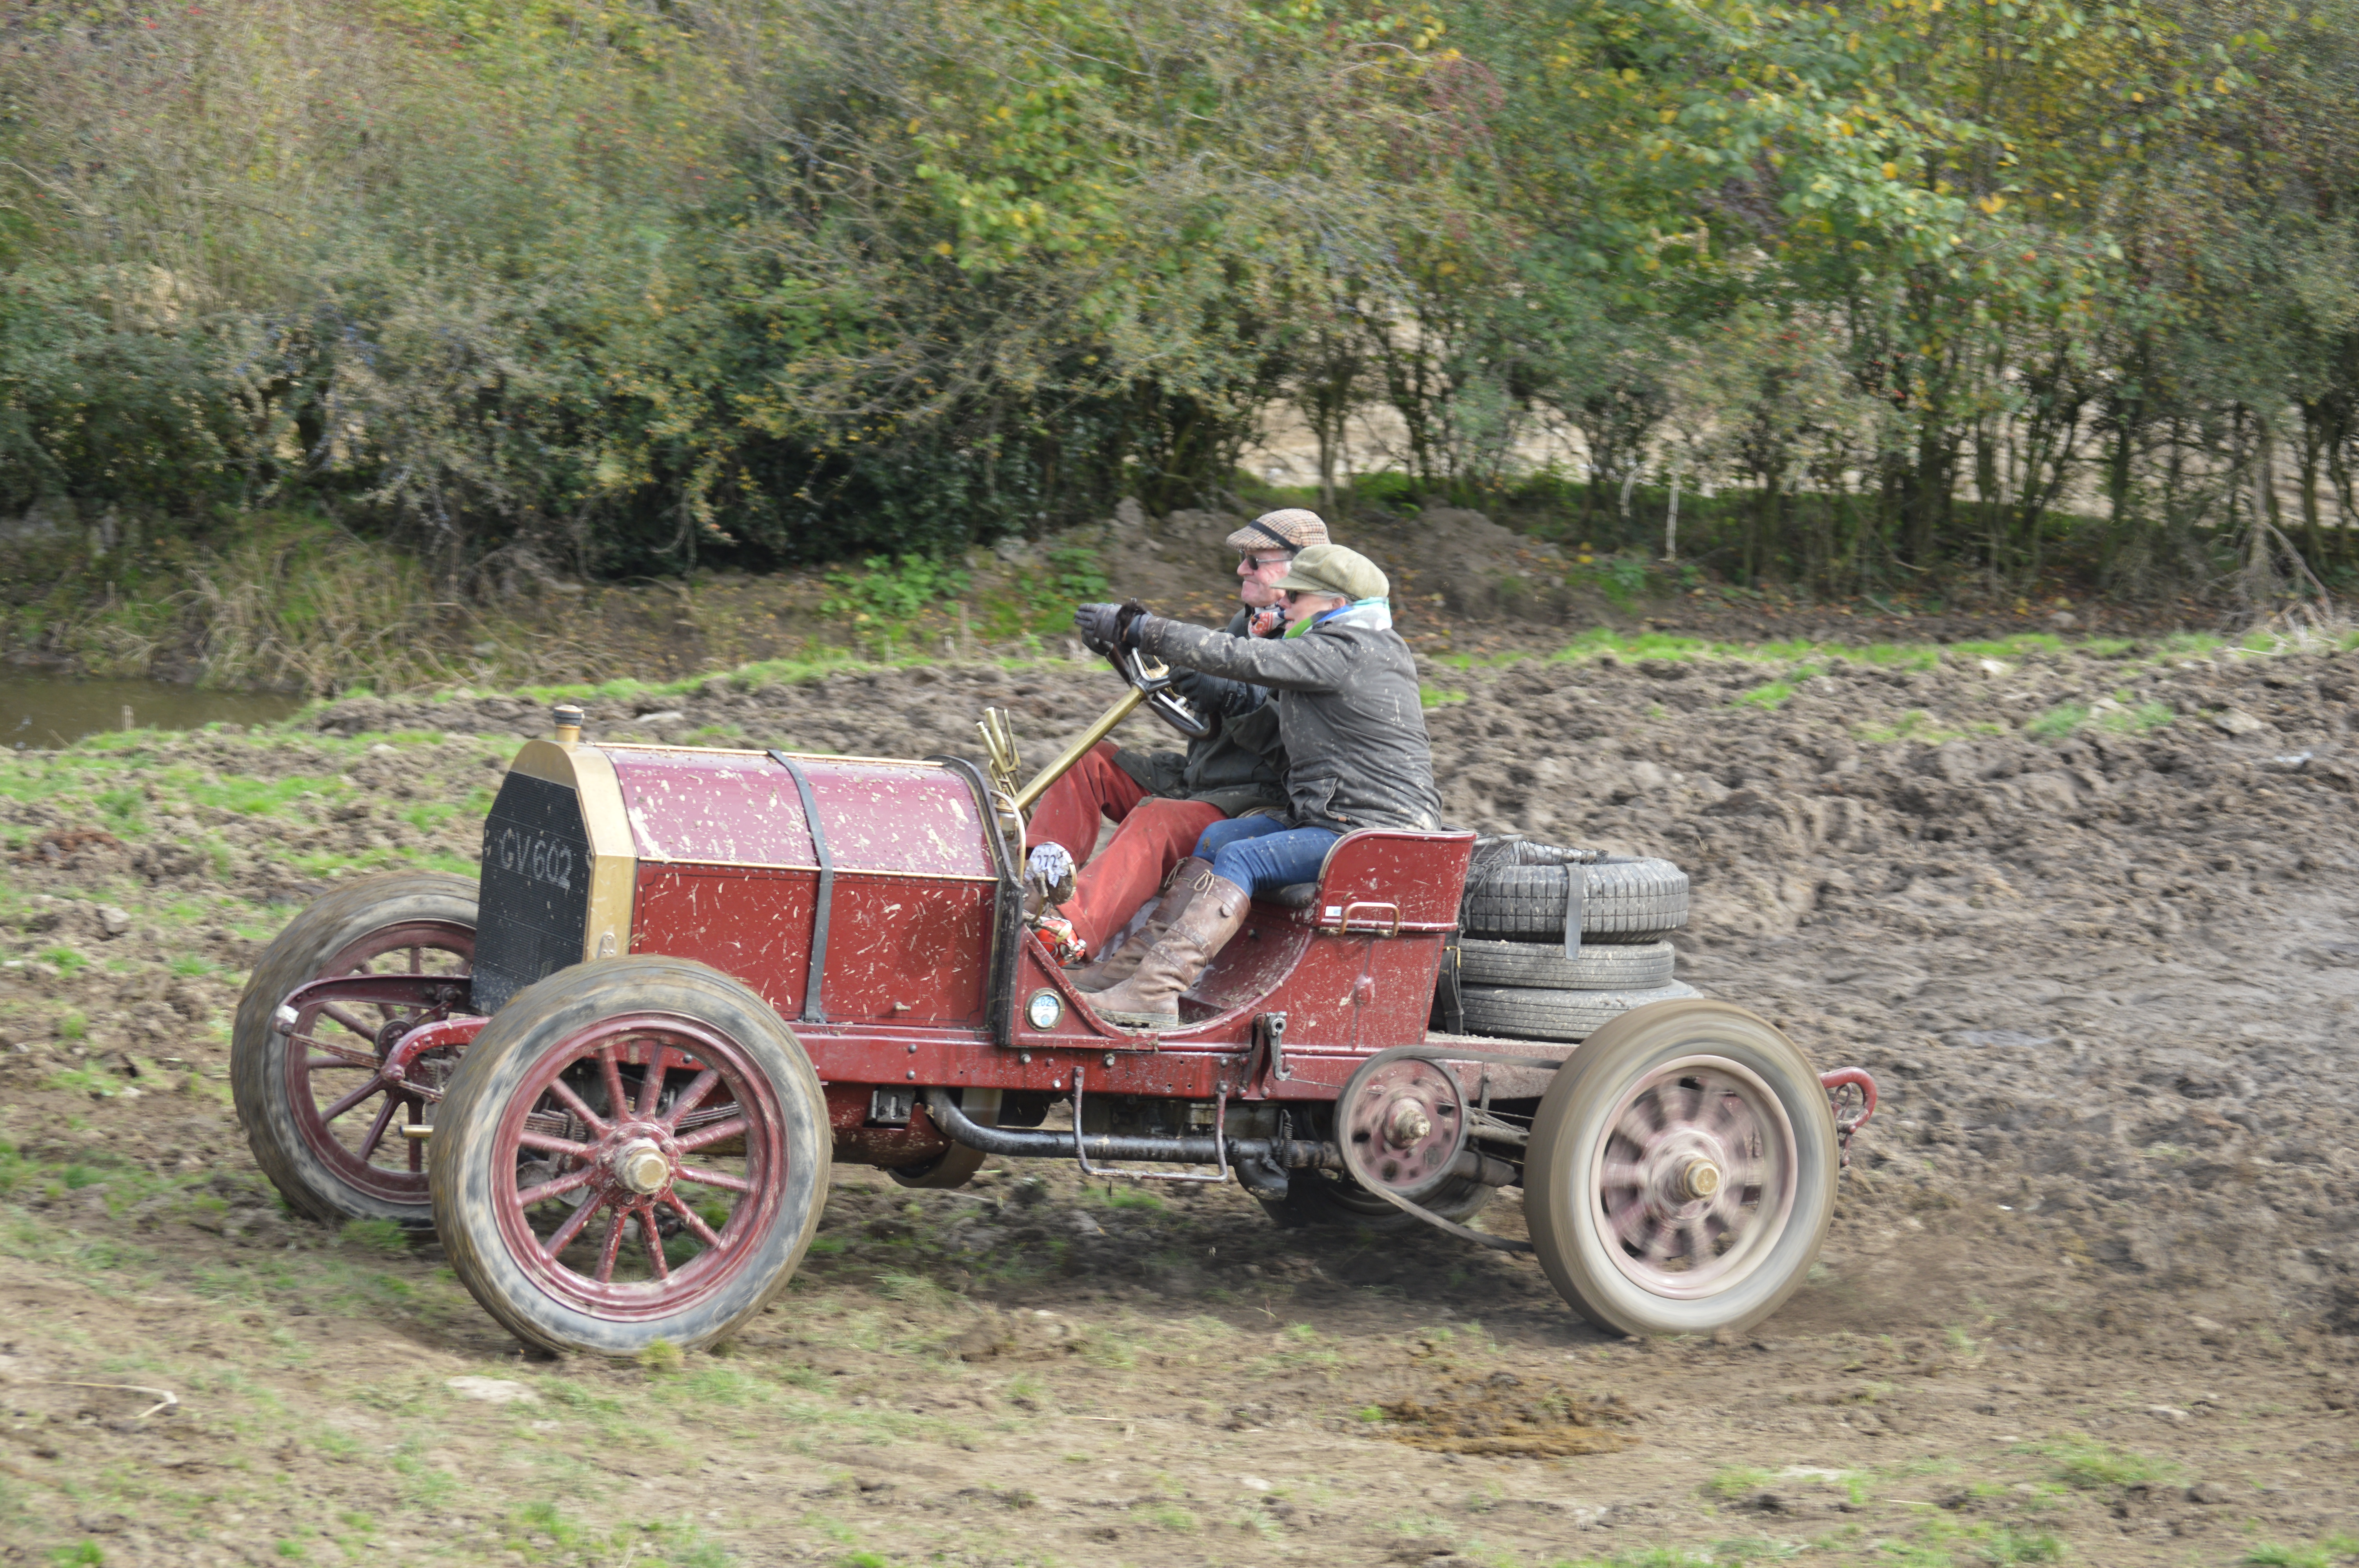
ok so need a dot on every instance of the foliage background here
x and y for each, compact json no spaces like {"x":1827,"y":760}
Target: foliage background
{"x":616,"y":287}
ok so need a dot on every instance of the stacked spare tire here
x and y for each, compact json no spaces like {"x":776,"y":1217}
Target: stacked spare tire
{"x":1555,"y":942}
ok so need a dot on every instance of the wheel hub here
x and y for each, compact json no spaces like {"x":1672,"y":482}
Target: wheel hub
{"x":1685,"y":1168}
{"x":1694,"y":1177}
{"x":641,"y":1166}
{"x":1407,"y":1123}
{"x":1699,"y":1178}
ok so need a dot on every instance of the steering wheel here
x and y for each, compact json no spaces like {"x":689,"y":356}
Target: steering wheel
{"x":1151,"y":678}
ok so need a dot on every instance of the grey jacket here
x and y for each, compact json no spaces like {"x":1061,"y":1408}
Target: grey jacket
{"x":1347,"y":713}
{"x":1239,"y":767}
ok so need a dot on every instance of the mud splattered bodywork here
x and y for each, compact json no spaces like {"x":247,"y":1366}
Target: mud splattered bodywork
{"x":729,"y":873}
{"x":712,"y":855}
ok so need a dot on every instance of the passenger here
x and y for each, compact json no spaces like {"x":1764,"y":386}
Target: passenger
{"x":1163,"y":801}
{"x":1357,"y":756}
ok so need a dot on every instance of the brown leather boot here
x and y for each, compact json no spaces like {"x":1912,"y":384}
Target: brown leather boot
{"x":1112,"y":969}
{"x":1150,"y":999}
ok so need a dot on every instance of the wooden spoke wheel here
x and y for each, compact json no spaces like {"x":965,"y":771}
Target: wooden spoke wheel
{"x":321,"y":1114}
{"x":1681,"y":1170}
{"x":633,"y":1150}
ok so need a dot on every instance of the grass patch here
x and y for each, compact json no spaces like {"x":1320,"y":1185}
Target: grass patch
{"x":2057,"y":722}
{"x":1739,"y":1482}
{"x":536,"y":1527}
{"x":1769,"y":698}
{"x":2003,"y":1547}
{"x":1918,"y":726}
{"x":428,"y":816}
{"x":2340,"y":1548}
{"x":1168,"y":1516}
{"x":2142,"y":719}
{"x":2084,"y":1463}
{"x":2021,"y":648}
{"x":382,"y":1236}
{"x":123,"y":809}
{"x":911,"y":1290}
{"x":95,"y":1082}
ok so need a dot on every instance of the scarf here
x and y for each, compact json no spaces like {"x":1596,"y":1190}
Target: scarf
{"x":1374,"y":613}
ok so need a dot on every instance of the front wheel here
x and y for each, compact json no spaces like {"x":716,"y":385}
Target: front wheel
{"x":633,"y":1150}
{"x":318,"y":1110}
{"x":1682,"y":1171}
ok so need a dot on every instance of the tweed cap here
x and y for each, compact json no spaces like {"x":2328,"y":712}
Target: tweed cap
{"x":1331,"y":568}
{"x":1289,"y":528}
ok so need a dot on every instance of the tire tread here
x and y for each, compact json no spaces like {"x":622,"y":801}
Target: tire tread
{"x":1622,"y":901}
{"x":1524,"y":1012}
{"x":1601,"y":967}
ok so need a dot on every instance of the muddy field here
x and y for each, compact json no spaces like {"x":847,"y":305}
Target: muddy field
{"x":2093,"y":1291}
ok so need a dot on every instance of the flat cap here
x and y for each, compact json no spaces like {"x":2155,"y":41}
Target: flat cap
{"x":1289,"y":528}
{"x":1331,"y":568}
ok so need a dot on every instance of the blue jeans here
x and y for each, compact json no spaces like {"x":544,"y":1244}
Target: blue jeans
{"x":1261,"y":854}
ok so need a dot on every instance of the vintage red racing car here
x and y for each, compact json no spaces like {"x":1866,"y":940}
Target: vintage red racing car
{"x":614,"y":1072}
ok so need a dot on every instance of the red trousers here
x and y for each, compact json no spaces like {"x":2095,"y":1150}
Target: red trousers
{"x":1155,"y":835}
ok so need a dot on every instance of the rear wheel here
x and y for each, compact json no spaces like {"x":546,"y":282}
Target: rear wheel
{"x":633,"y":1150}
{"x":1681,"y":1170}
{"x":324,"y":1126}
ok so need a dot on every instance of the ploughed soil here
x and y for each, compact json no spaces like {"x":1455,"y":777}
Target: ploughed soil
{"x":2092,"y":1293}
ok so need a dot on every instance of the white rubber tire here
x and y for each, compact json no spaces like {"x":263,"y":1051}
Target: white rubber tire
{"x":1577,"y":1247}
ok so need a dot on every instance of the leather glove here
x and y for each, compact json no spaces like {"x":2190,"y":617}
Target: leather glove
{"x":1126,"y":623}
{"x":1099,"y":626}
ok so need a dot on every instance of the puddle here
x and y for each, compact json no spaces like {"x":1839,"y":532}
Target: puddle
{"x":47,"y":711}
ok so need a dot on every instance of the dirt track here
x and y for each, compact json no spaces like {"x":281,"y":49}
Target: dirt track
{"x":2092,"y":1289}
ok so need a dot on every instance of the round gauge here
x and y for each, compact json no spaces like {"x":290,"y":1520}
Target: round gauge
{"x":1044,"y":1009}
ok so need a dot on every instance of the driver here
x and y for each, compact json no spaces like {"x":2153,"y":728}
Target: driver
{"x":1164,"y":800}
{"x":1344,"y":687}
